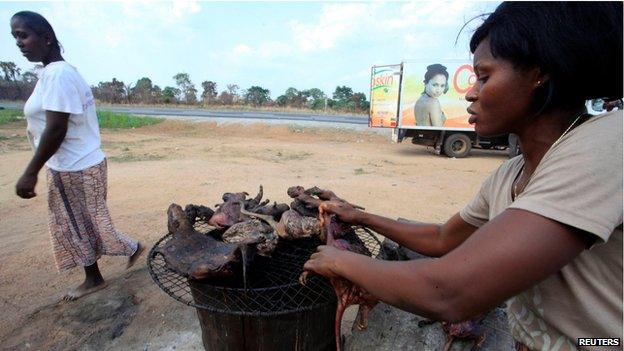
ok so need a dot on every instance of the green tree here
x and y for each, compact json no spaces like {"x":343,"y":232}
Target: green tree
{"x":209,"y":95}
{"x":187,"y":88}
{"x":257,"y":96}
{"x":342,"y":94}
{"x":143,"y":91}
{"x":281,"y":100}
{"x":289,"y":98}
{"x":170,"y":94}
{"x":342,"y":98}
{"x":359,"y":102}
{"x":316,"y":98}
{"x":113,"y":91}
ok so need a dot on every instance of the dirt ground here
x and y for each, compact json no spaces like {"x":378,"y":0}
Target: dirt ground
{"x":184,"y":162}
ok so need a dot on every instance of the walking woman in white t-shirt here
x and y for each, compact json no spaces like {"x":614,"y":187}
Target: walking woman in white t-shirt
{"x":63,"y":130}
{"x":544,"y":232}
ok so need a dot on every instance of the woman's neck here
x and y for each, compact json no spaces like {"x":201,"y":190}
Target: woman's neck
{"x":543,"y":131}
{"x":53,"y":57}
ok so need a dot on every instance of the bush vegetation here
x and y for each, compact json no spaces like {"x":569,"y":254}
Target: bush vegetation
{"x":17,"y":85}
{"x":10,"y":115}
{"x":108,"y":119}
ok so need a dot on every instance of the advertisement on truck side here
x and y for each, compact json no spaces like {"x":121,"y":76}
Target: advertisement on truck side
{"x":433,"y":95}
{"x":385,"y":84}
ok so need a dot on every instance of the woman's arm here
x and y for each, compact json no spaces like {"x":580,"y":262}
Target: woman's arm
{"x":51,"y":139}
{"x":508,"y":255}
{"x":426,"y":238}
{"x":429,"y":239}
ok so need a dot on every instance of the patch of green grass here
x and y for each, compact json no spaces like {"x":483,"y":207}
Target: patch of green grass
{"x":359,"y":171}
{"x":130,"y":157}
{"x":10,"y":115}
{"x":116,"y":120}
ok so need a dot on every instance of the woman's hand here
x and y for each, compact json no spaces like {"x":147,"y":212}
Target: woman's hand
{"x":325,"y":261}
{"x":344,"y":211}
{"x":25,"y":187}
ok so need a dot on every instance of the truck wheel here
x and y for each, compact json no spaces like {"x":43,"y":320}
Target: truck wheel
{"x":457,"y":145}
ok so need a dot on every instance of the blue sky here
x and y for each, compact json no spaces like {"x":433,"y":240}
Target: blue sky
{"x":275,"y":45}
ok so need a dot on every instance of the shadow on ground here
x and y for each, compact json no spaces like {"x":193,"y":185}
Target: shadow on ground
{"x":118,"y":317}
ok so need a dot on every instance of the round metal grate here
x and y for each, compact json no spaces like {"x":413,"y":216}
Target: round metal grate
{"x":272,"y":283}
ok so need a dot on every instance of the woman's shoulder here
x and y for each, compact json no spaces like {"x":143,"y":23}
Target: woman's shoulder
{"x":594,"y":146}
{"x":59,"y":69}
{"x":598,"y":130}
{"x":426,"y":100}
{"x":605,"y":119}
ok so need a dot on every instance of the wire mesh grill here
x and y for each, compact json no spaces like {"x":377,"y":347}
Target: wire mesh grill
{"x":272,"y":283}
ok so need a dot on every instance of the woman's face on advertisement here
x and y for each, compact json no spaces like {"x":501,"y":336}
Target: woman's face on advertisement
{"x":501,"y":99}
{"x":436,"y":85}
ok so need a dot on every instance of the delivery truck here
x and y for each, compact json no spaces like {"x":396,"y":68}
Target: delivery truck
{"x":425,"y":101}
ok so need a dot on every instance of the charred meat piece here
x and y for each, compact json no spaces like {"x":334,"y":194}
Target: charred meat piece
{"x":305,"y":204}
{"x":291,"y":226}
{"x":193,"y":254}
{"x":304,"y":209}
{"x":198,"y":212}
{"x":296,"y":226}
{"x":228,"y":212}
{"x":347,"y":293}
{"x":471,"y":329}
{"x":276,"y":210}
{"x":253,"y":231}
{"x":250,"y":204}
{"x":256,"y":205}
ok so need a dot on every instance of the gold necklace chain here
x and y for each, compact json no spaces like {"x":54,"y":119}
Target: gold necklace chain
{"x":515,"y":186}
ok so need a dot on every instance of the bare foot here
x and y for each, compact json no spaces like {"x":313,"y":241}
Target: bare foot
{"x":132,"y":260}
{"x":83,"y":289}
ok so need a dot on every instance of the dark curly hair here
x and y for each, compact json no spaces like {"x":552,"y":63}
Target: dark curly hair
{"x":578,"y":44}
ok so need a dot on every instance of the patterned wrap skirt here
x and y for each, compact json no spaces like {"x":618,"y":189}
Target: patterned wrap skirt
{"x":80,"y":225}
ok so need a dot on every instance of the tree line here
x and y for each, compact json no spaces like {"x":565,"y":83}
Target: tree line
{"x":18,"y":85}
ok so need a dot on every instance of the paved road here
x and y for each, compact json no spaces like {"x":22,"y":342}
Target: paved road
{"x":156,"y":111}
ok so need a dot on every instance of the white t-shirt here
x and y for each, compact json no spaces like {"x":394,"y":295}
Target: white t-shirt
{"x":62,"y":89}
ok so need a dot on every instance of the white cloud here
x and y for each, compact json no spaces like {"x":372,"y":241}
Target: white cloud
{"x":266,"y":50}
{"x":274,"y":49}
{"x":336,"y":23}
{"x":166,"y":12}
{"x":113,"y":36}
{"x":430,"y":13}
{"x":182,"y":8}
{"x":241,"y":49}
